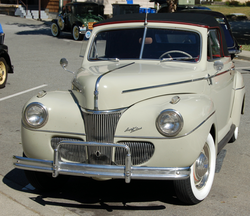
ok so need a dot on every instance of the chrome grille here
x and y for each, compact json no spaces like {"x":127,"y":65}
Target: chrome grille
{"x":141,"y":152}
{"x":69,"y":152}
{"x":100,"y":127}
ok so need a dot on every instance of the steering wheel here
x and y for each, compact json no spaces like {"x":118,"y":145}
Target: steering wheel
{"x":176,"y":51}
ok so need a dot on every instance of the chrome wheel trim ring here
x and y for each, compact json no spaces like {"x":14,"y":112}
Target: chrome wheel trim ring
{"x":75,"y":32}
{"x":2,"y":73}
{"x":202,"y":168}
{"x":54,"y":29}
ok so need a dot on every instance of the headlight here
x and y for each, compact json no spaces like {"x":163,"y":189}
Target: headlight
{"x":35,"y":115}
{"x":169,"y":122}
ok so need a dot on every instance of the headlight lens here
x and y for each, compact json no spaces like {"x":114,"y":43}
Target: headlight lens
{"x":169,"y":123}
{"x":35,"y":115}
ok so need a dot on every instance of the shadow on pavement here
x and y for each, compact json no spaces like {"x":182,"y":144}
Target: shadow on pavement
{"x":84,"y":193}
{"x":40,"y":29}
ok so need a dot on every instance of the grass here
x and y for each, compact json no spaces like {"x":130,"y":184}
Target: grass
{"x":227,"y":10}
{"x":246,"y":47}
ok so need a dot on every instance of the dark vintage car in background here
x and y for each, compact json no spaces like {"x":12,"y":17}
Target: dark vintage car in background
{"x":5,"y":62}
{"x":76,"y":18}
{"x":232,"y":44}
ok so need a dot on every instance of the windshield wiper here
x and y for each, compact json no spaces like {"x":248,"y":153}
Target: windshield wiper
{"x":108,"y":59}
{"x":176,"y":59}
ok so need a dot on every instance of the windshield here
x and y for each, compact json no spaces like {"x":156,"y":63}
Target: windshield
{"x":161,"y":44}
{"x":83,"y":10}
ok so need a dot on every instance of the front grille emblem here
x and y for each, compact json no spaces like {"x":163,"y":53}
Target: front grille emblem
{"x":98,"y":153}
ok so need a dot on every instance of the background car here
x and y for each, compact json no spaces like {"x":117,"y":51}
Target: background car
{"x":76,"y":18}
{"x":232,"y":45}
{"x":5,"y":62}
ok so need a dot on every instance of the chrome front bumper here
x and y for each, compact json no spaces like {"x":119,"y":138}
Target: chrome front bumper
{"x":126,"y":172}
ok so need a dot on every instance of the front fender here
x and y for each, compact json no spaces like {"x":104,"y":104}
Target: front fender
{"x":194,"y":108}
{"x":64,"y":114}
{"x":64,"y":119}
{"x":138,"y":124}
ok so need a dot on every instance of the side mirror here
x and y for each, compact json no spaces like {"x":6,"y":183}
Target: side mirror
{"x":64,"y":63}
{"x":218,"y":66}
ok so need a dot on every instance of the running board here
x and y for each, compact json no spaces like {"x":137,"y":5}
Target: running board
{"x":226,"y":139}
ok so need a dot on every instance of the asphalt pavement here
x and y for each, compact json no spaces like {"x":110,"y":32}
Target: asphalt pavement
{"x":16,"y":200}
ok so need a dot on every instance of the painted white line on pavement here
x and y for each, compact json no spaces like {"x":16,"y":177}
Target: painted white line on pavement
{"x":23,"y":92}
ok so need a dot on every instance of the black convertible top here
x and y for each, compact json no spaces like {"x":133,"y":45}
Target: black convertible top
{"x":196,"y":19}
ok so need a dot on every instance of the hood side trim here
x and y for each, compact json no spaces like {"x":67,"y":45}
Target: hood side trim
{"x":96,"y":92}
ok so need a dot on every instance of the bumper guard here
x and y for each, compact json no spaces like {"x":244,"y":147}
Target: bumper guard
{"x":126,"y":172}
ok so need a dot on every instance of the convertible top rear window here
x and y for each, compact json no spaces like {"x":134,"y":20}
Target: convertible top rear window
{"x":155,"y":44}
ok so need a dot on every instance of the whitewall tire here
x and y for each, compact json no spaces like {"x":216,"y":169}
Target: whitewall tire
{"x":197,"y":187}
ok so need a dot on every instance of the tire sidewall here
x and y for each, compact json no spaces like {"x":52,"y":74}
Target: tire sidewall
{"x":73,"y":31}
{"x":201,"y":194}
{"x":52,"y":26}
{"x":6,"y":72}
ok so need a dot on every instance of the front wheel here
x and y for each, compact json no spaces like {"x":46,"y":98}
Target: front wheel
{"x":76,"y":33}
{"x":197,"y":187}
{"x":3,"y":72}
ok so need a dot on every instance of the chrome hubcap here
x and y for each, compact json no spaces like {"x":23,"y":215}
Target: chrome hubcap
{"x":76,"y":32}
{"x":201,"y":168}
{"x":2,"y":72}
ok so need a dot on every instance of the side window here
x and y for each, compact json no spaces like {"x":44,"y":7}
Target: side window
{"x":68,"y":9}
{"x":98,"y":47}
{"x":214,"y":50}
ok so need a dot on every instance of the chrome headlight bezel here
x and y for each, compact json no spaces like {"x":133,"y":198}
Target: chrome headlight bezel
{"x":172,"y":126}
{"x":35,"y":115}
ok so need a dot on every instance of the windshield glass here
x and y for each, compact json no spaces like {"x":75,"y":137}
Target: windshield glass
{"x":83,"y":10}
{"x":161,"y":44}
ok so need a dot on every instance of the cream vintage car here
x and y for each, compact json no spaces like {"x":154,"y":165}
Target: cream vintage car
{"x":157,"y":97}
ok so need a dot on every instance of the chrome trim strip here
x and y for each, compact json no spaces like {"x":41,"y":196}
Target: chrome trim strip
{"x":144,"y":37}
{"x":163,"y":85}
{"x":103,"y":111}
{"x":174,"y":83}
{"x":96,"y":92}
{"x":102,"y":171}
{"x":239,"y":88}
{"x":176,"y":137}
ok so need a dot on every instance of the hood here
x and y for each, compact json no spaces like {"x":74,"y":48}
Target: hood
{"x":118,"y":85}
{"x":89,"y":18}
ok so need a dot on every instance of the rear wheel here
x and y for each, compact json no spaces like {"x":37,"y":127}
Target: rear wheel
{"x":3,"y":72}
{"x":55,"y":31}
{"x":197,"y":187}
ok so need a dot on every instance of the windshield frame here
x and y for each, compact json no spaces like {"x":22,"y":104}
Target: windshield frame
{"x":146,"y":28}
